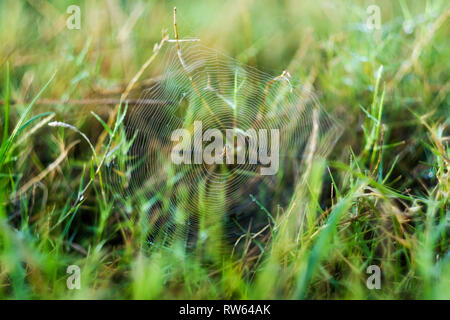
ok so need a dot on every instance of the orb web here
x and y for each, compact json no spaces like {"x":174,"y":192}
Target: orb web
{"x":195,"y":200}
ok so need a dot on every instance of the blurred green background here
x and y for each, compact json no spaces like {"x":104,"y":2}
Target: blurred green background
{"x":381,"y":199}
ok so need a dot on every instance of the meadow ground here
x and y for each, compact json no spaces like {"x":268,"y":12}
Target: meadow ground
{"x":380,"y":199}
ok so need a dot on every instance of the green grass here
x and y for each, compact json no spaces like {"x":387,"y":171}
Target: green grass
{"x":381,"y":198}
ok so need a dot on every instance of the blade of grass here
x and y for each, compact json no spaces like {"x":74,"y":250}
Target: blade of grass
{"x":6,"y":146}
{"x":6,"y":113}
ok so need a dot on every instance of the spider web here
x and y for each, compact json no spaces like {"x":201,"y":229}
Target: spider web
{"x":195,"y":201}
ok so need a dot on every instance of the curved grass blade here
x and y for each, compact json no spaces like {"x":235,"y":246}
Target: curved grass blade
{"x":20,"y":126}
